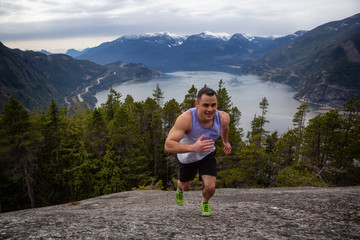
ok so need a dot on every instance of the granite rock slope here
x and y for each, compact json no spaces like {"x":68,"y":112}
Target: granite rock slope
{"x":275,"y":213}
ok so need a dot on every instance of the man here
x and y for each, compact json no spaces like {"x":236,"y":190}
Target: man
{"x":193,"y":138}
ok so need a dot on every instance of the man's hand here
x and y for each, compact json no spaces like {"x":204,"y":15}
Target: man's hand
{"x":227,"y":148}
{"x":203,"y":146}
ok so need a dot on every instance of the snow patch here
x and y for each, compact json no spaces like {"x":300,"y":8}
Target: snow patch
{"x":250,"y":37}
{"x":222,"y":35}
{"x":159,"y":34}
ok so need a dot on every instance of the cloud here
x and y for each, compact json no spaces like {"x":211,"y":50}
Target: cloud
{"x":53,"y":19}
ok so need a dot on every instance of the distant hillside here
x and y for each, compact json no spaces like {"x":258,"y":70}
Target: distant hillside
{"x":34,"y":78}
{"x":204,"y":51}
{"x":74,"y":53}
{"x":45,"y":52}
{"x":323,"y":64}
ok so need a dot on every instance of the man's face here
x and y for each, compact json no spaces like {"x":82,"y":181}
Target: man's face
{"x":206,"y":107}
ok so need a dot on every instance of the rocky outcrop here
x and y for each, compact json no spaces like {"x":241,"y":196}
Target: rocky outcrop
{"x":327,"y":95}
{"x":276,"y":213}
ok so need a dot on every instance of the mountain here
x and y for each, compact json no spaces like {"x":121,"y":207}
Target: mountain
{"x":323,"y":64}
{"x":153,"y":49}
{"x":45,"y":52}
{"x":169,"y":52}
{"x":34,"y":78}
{"x":74,"y":53}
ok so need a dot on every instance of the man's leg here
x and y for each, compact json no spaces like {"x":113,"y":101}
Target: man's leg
{"x":181,"y":187}
{"x":186,"y":173}
{"x":208,"y":191}
{"x":209,"y":187}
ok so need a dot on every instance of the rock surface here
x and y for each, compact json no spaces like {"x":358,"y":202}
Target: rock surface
{"x":275,"y":213}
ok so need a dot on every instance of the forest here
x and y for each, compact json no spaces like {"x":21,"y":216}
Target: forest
{"x":61,"y":155}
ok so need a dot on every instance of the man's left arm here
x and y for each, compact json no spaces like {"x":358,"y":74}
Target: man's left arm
{"x":225,"y":121}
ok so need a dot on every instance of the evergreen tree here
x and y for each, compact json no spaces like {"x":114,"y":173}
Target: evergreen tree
{"x":96,"y":133}
{"x":150,"y":128}
{"x":323,"y":141}
{"x":110,"y":177}
{"x":111,"y":105}
{"x":227,"y":163}
{"x":299,"y":119}
{"x":72,"y":154}
{"x":158,"y":95}
{"x":131,"y":107}
{"x":224,"y":100}
{"x":285,"y":151}
{"x":190,"y":98}
{"x":171,"y":111}
{"x":349,"y":160}
{"x":258,"y":123}
{"x":19,"y":147}
{"x":264,"y":104}
{"x":54,"y":130}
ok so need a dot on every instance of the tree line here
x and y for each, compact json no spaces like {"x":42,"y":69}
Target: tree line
{"x":60,"y":155}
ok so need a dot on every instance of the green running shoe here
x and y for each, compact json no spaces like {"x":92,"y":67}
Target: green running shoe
{"x":179,"y":197}
{"x":205,"y":209}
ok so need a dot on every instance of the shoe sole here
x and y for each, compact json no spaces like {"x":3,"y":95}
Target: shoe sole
{"x":206,"y":215}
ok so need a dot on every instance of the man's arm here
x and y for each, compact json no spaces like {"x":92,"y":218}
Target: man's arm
{"x":225,"y":121}
{"x":181,"y":126}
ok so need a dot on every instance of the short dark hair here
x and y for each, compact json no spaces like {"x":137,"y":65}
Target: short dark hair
{"x":207,"y":91}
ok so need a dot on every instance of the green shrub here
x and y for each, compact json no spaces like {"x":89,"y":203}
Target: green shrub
{"x":297,"y":176}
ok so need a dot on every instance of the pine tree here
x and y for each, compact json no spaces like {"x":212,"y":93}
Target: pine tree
{"x":299,"y":119}
{"x":190,"y":98}
{"x":224,"y":100}
{"x":257,"y":125}
{"x":19,"y":147}
{"x":323,"y":140}
{"x":299,"y":122}
{"x":55,"y":131}
{"x":111,"y":105}
{"x":171,"y":111}
{"x":96,"y":133}
{"x":158,"y":95}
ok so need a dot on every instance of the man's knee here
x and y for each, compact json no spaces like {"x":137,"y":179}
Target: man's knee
{"x":184,"y":185}
{"x":210,"y":188}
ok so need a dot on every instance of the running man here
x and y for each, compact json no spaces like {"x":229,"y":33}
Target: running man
{"x":193,"y":138}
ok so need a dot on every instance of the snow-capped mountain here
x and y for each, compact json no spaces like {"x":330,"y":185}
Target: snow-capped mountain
{"x":161,"y":38}
{"x":168,"y":52}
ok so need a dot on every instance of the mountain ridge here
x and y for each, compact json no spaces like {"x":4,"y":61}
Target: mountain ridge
{"x":34,"y":78}
{"x":323,"y":64}
{"x":169,"y":52}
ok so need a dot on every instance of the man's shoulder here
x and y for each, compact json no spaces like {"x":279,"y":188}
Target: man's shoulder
{"x":184,"y":120}
{"x":186,"y":114}
{"x":222,"y":113}
{"x":224,"y":116}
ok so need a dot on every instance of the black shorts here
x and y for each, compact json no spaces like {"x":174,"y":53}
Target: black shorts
{"x":206,"y":166}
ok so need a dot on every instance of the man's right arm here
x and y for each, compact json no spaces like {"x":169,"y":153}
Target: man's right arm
{"x":181,"y":126}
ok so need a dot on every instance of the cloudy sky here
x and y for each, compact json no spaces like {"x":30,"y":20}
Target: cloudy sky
{"x":60,"y":25}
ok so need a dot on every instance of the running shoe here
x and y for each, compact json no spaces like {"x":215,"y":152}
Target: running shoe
{"x":179,"y":197}
{"x":205,"y":209}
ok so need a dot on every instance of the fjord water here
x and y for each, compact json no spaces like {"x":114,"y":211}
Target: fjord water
{"x":246,"y":92}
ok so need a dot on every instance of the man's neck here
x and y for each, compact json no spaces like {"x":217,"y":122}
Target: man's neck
{"x":206,"y":123}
